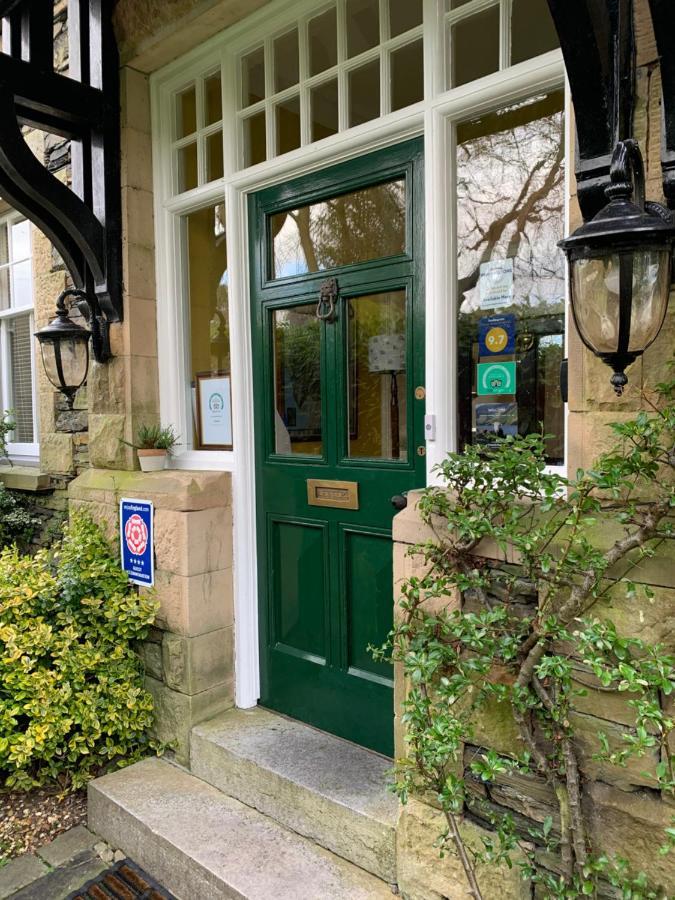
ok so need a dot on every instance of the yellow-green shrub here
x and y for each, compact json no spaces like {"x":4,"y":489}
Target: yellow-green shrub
{"x":72,"y":699}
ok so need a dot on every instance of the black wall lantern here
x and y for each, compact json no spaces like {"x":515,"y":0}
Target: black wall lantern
{"x":620,"y":260}
{"x":65,"y":344}
{"x":620,"y":266}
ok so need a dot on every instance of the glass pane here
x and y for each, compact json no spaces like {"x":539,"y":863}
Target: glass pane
{"x":532,"y":30}
{"x":286,"y":61}
{"x":253,"y":77}
{"x":323,"y":101}
{"x":376,"y":376}
{"x":353,"y":228}
{"x":20,"y":240}
{"x":255,"y":149}
{"x":407,"y":75}
{"x":213,"y":111}
{"x":296,"y":334}
{"x":207,"y":298}
{"x":21,"y":377}
{"x":404,"y":15}
{"x":186,"y":112}
{"x":455,"y":4}
{"x":364,"y":93}
{"x":22,"y":294}
{"x":363,"y":26}
{"x":288,"y":125}
{"x":214,"y":156}
{"x":474,"y":47}
{"x":322,"y":33}
{"x":187,"y":168}
{"x":511,"y":279}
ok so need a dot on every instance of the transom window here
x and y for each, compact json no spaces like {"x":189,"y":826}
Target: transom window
{"x":198,"y":133}
{"x":16,"y":330}
{"x":484,"y":36}
{"x":337,"y":67}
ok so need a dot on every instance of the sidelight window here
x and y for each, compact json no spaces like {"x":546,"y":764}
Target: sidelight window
{"x":16,"y":333}
{"x":511,"y":280}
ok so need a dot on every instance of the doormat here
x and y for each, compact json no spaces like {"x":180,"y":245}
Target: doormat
{"x":124,"y":881}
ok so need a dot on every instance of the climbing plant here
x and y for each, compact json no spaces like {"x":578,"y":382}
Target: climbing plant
{"x":577,"y":543}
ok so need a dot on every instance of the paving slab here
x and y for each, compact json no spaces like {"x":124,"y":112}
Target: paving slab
{"x":201,"y":844}
{"x":61,"y":882}
{"x":67,"y":845}
{"x":19,"y":872}
{"x":320,"y":786}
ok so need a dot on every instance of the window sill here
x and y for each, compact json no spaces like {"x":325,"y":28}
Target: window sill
{"x":24,"y":478}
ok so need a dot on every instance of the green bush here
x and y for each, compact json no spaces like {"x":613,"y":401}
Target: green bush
{"x":72,"y":700}
{"x":17,"y":523}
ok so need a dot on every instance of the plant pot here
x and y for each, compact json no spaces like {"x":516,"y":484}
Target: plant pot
{"x":152,"y":460}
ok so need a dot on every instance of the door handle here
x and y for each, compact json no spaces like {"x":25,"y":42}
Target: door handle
{"x":399,"y":501}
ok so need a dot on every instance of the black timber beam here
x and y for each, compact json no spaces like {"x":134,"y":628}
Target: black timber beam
{"x":83,"y":222}
{"x":598,"y":45}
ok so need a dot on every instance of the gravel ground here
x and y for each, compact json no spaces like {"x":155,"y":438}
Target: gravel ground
{"x":28,"y":820}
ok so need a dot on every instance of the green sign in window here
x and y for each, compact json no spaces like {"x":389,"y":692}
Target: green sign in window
{"x":496,"y":378}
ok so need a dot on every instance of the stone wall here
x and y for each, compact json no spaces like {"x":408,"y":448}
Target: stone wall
{"x":625,"y":813}
{"x":189,"y":656}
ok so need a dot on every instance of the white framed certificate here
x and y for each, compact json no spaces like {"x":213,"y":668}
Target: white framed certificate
{"x":214,"y":411}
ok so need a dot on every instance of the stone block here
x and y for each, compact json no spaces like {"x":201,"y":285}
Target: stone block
{"x":106,"y":450}
{"x":105,"y":516}
{"x":191,"y":543}
{"x":143,"y":394}
{"x":195,"y":664}
{"x":71,"y":421}
{"x":138,"y":216}
{"x":650,"y":619}
{"x":135,"y":100}
{"x":19,"y":872}
{"x":631,"y":825}
{"x":136,"y":158}
{"x":495,"y":728}
{"x":107,"y":385}
{"x":151,"y":656}
{"x":423,"y":875}
{"x":24,"y":478}
{"x":173,"y":489}
{"x":638,"y":771}
{"x":56,"y":454}
{"x":139,"y":273}
{"x":176,"y":713}
{"x":195,"y":604}
{"x":137,"y":335}
{"x":61,"y":882}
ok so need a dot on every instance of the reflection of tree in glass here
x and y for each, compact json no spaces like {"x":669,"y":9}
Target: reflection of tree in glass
{"x":510,"y":186}
{"x":366,"y":224}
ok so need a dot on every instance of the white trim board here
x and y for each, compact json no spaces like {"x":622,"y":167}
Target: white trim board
{"x":431,"y":118}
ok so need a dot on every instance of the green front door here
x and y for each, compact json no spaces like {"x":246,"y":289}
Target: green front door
{"x":338,"y":328}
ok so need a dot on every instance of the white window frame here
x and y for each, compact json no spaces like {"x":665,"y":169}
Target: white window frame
{"x":25,"y":453}
{"x":433,"y":118}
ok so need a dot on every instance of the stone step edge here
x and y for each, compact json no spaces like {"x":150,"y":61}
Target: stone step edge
{"x":345,"y":844}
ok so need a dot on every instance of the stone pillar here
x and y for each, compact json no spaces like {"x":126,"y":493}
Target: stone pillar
{"x":189,"y":654}
{"x":124,"y":392}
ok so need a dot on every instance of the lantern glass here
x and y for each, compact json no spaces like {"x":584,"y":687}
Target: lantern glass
{"x":595,"y":294}
{"x":66,"y":361}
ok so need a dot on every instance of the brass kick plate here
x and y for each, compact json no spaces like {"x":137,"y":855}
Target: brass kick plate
{"x":337,"y":494}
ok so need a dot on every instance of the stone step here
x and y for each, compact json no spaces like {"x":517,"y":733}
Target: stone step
{"x":201,"y":845}
{"x":322,"y":787}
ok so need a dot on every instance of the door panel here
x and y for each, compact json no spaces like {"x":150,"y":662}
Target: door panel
{"x":369,"y":599}
{"x":300,"y":589}
{"x":335,"y":402}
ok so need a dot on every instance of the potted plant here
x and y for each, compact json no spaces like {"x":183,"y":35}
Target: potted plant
{"x":154,"y":443}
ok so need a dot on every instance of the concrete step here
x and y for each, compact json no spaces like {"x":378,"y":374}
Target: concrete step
{"x":326,"y":789}
{"x":202,"y":845}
